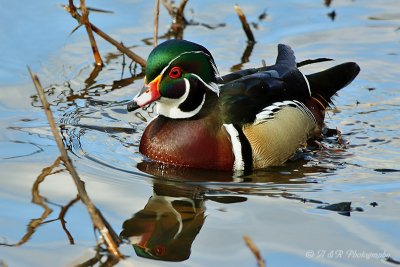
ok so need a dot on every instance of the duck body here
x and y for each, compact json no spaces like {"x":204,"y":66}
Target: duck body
{"x":192,"y":143}
{"x":248,"y":119}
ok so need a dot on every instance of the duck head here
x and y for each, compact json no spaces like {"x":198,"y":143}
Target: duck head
{"x":180,"y":78}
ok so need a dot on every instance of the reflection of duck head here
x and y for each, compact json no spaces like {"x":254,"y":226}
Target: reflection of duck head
{"x":167,"y":226}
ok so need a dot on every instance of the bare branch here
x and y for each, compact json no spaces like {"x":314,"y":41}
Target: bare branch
{"x":156,"y":15}
{"x":110,"y":237}
{"x":72,"y":10}
{"x":85,"y":21}
{"x":254,"y":249}
{"x":245,"y":24}
{"x":168,"y":7}
{"x":179,"y":12}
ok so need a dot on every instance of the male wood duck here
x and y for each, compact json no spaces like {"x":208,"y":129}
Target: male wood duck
{"x":249,"y":119}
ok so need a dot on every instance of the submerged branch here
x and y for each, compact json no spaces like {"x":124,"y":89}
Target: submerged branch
{"x":110,"y":237}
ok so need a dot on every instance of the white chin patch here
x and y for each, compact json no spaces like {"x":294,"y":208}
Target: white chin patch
{"x":169,"y":107}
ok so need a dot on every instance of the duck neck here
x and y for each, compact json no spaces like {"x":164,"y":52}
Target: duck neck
{"x":209,"y":107}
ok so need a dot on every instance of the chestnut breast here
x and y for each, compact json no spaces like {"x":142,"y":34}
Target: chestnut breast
{"x":192,"y":143}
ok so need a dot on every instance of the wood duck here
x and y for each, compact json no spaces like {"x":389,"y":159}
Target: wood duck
{"x":245,"y":120}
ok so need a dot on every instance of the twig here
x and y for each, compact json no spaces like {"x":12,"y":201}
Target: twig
{"x":110,"y":237}
{"x":179,"y":12}
{"x":38,"y":200}
{"x":85,"y":21}
{"x":178,"y":19}
{"x":119,"y":46}
{"x":168,"y":7}
{"x":254,"y":249}
{"x":72,"y":10}
{"x":61,"y":216}
{"x":156,"y":15}
{"x":245,"y":24}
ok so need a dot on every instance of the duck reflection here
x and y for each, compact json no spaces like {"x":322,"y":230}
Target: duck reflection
{"x":167,"y":226}
{"x":169,"y":223}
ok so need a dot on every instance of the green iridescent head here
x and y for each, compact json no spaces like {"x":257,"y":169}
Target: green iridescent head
{"x":179,"y":76}
{"x":191,"y":57}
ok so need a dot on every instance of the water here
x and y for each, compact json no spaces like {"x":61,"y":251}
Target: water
{"x":198,"y":217}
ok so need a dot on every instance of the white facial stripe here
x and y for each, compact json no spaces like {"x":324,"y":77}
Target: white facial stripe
{"x":170,"y":107}
{"x":212,"y":86}
{"x":194,"y":52}
{"x":238,"y":165}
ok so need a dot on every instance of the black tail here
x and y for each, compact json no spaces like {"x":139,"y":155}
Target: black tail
{"x":326,"y":83}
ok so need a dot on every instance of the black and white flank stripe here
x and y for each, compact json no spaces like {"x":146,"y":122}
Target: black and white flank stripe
{"x":269,"y":112}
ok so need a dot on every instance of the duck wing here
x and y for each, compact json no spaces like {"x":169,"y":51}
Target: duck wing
{"x":246,"y":93}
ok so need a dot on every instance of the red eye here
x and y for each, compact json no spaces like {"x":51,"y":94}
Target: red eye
{"x":160,"y":250}
{"x":175,"y":72}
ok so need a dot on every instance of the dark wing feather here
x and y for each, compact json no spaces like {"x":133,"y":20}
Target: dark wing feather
{"x":243,"y":98}
{"x":285,"y":57}
{"x":245,"y":93}
{"x":284,"y":61}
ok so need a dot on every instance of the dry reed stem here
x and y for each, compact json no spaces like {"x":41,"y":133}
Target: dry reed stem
{"x":110,"y":237}
{"x":73,"y":12}
{"x":245,"y":24}
{"x":254,"y":250}
{"x":156,"y":15}
{"x":85,"y":21}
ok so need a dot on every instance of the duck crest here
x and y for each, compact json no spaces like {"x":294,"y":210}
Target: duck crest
{"x":253,"y":118}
